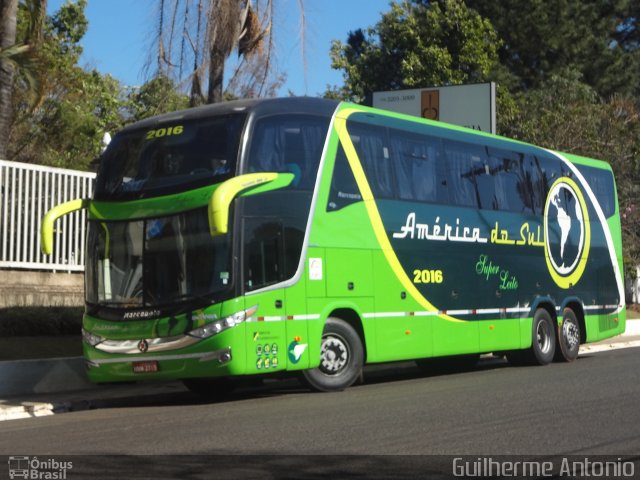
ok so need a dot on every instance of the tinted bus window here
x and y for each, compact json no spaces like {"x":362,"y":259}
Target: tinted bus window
{"x":169,"y":159}
{"x":344,"y":190}
{"x":543,"y":171}
{"x":601,"y":182}
{"x":289,"y":143}
{"x":371,"y":145}
{"x":468,"y":180}
{"x":416,"y":159}
{"x":511,"y":190}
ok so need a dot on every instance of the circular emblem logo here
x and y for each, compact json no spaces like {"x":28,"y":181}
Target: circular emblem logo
{"x":567,"y":232}
{"x":143,"y":346}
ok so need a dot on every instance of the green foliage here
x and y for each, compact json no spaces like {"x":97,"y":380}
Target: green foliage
{"x":69,"y":25}
{"x":158,"y":95}
{"x":566,"y":114}
{"x":416,"y":45}
{"x":74,"y":107}
{"x":567,"y":73}
{"x":61,"y":118}
{"x":541,"y":39}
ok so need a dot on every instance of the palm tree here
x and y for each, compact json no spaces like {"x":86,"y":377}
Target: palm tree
{"x":8,"y":20}
{"x":206,"y":33}
{"x":17,"y":57}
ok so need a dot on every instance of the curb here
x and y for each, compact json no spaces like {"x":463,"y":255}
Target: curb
{"x":30,"y":409}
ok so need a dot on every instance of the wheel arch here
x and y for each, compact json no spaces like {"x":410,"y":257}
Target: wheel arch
{"x":354,"y":319}
{"x":547,"y":304}
{"x":578,"y":308}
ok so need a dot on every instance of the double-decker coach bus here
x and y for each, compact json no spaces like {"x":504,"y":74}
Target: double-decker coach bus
{"x":299,"y":234}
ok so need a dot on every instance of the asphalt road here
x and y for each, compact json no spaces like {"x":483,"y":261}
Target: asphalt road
{"x":585,"y":408}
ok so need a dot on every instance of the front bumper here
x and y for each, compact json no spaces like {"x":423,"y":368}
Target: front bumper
{"x":210,"y":357}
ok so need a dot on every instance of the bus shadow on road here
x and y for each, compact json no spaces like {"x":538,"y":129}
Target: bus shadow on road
{"x":429,"y":368}
{"x":268,"y":386}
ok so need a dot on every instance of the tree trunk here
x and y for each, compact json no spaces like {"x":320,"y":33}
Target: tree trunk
{"x":216,"y":76}
{"x":224,"y":29}
{"x":8,"y":16}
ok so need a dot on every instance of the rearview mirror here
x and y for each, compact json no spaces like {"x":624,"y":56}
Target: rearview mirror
{"x":48,"y":221}
{"x":248,"y":184}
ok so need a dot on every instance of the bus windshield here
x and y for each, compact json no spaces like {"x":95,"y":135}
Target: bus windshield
{"x":156,"y":261}
{"x":174,"y":157}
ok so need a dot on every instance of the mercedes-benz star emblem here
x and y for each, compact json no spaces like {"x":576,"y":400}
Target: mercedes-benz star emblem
{"x":143,"y":346}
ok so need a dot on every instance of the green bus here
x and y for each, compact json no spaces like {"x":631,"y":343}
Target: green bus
{"x":298,"y":234}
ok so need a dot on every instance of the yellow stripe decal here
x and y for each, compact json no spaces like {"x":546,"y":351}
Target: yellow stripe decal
{"x":374,"y":215}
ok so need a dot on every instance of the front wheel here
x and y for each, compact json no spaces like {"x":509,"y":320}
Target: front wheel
{"x":568,"y":334}
{"x":341,"y":358}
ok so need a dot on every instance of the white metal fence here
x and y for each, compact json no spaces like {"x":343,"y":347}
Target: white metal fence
{"x":27,"y":192}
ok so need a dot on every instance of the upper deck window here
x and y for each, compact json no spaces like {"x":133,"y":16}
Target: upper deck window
{"x":289,"y":143}
{"x":169,"y":158}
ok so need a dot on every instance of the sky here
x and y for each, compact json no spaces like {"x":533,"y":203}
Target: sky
{"x":118,"y":40}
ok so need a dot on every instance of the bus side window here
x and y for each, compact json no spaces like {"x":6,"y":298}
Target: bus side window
{"x":544,"y":171}
{"x":512,"y":189}
{"x":344,"y":190}
{"x":466,"y":163}
{"x":601,"y":183}
{"x":371,"y":145}
{"x":293,"y":145}
{"x":263,"y":252}
{"x":416,"y":158}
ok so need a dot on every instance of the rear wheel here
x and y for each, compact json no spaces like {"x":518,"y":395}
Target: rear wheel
{"x":568,"y":335}
{"x":341,"y":358}
{"x":543,"y":344}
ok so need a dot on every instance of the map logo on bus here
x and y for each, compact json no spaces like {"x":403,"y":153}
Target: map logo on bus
{"x":567,"y":232}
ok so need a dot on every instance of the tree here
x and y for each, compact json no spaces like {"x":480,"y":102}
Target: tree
{"x":597,"y":38}
{"x":158,"y":95}
{"x":73,"y":108}
{"x":197,"y":37}
{"x":567,"y":115}
{"x":416,"y":45}
{"x":17,"y":56}
{"x":8,"y":12}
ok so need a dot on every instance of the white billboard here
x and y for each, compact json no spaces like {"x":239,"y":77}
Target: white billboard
{"x":472,"y":106}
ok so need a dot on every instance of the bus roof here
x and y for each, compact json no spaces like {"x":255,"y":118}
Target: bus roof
{"x":327,"y":107}
{"x":318,"y":106}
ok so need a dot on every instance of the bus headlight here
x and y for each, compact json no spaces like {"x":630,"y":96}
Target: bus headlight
{"x":91,"y":339}
{"x":223,"y":324}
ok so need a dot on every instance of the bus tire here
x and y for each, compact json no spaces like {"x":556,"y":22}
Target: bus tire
{"x":543,"y":341}
{"x":568,"y":335}
{"x":341,"y":358}
{"x":210,"y":388}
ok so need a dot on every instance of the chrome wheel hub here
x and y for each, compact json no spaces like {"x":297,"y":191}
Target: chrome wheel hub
{"x":544,"y":337}
{"x":571,"y":334}
{"x":334,"y":354}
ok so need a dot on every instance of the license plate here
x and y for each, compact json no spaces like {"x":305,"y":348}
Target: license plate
{"x":145,"y":367}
